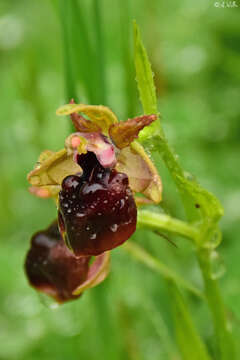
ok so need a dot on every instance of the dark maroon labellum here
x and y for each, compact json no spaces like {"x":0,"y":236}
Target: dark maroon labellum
{"x":97,"y":210}
{"x":52,"y":268}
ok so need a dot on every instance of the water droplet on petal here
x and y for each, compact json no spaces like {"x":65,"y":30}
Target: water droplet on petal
{"x":114,"y":227}
{"x":122,"y":203}
{"x":79,"y":215}
{"x":93,"y":236}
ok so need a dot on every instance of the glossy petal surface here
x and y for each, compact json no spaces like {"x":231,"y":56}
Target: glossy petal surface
{"x":52,"y":268}
{"x":97,"y":210}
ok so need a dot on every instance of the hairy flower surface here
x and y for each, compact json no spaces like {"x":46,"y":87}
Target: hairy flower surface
{"x":53,"y":269}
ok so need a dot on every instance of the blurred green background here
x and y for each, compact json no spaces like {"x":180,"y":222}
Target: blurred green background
{"x":195,"y":51}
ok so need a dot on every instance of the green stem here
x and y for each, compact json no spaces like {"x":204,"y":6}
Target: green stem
{"x":189,"y":342}
{"x":191,"y":194}
{"x":216,"y":305}
{"x":164,"y":222}
{"x":150,"y":261}
{"x":212,"y":291}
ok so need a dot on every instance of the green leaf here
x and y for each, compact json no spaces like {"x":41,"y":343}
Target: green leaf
{"x":189,"y":342}
{"x":144,"y":75}
{"x":82,"y":51}
{"x":130,"y":90}
{"x":65,"y":17}
{"x":146,"y":87}
{"x":100,"y":62}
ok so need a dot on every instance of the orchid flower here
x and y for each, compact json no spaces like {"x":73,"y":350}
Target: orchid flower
{"x":96,"y":181}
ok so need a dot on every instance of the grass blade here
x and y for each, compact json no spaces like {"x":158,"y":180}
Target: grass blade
{"x":100,"y":53}
{"x":127,"y":61}
{"x":69,"y":78}
{"x":190,"y":344}
{"x":155,"y":264}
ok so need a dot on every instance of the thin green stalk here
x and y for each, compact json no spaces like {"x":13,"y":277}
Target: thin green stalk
{"x":192,"y":194}
{"x":162,"y":222}
{"x":216,"y":305}
{"x":189,"y":342}
{"x":155,"y":264}
{"x":153,"y":136}
{"x":100,"y":53}
{"x":168,"y":346}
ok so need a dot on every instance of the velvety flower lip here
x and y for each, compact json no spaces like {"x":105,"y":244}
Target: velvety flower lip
{"x":54,"y":270}
{"x":97,"y":211}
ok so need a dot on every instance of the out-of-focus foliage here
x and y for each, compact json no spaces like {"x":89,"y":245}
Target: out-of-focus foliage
{"x":194,"y":48}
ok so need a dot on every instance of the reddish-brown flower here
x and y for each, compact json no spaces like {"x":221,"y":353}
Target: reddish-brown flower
{"x":94,"y":181}
{"x":97,"y":211}
{"x":53,"y":269}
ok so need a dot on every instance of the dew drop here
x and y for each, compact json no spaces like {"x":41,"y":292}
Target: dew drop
{"x":93,"y":236}
{"x":66,"y":205}
{"x":48,"y":301}
{"x":217,"y":265}
{"x":87,"y":228}
{"x":105,"y":201}
{"x":122,"y":203}
{"x":69,"y":211}
{"x":214,"y":241}
{"x":99,"y":213}
{"x":114,"y":227}
{"x":188,"y":176}
{"x":79,"y":215}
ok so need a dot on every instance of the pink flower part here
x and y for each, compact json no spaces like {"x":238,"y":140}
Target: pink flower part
{"x":76,"y":141}
{"x":102,"y":148}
